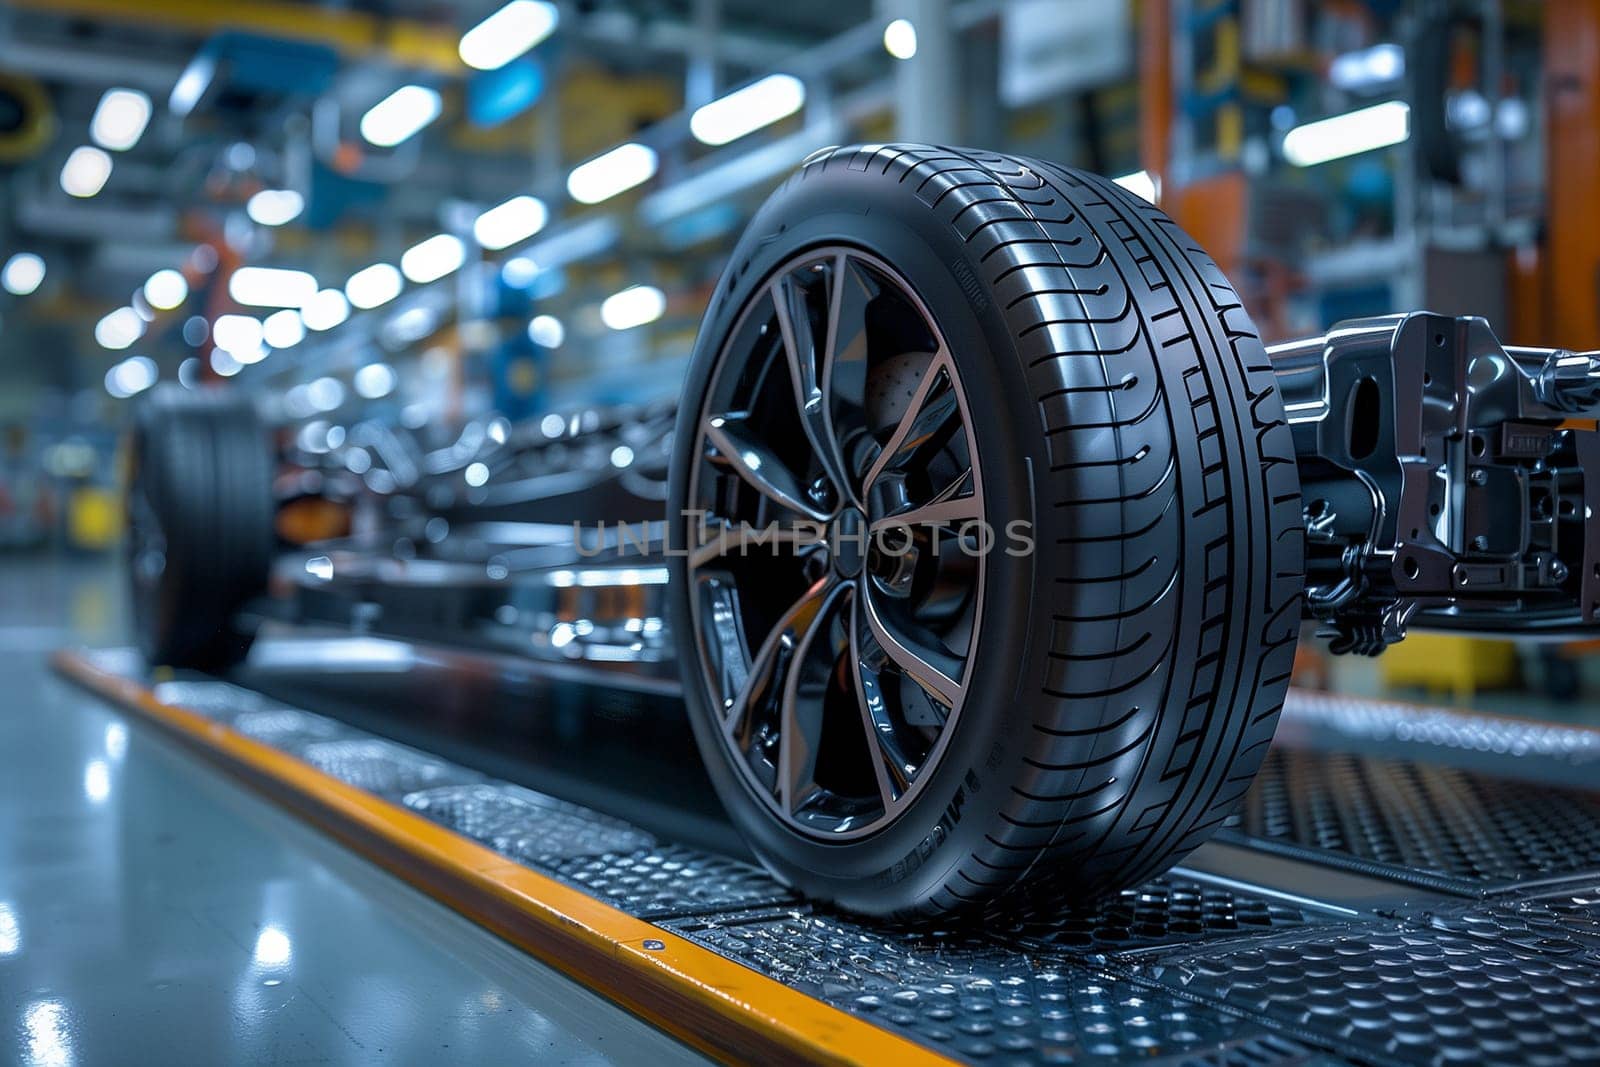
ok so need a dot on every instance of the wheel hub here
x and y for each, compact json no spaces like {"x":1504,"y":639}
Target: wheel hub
{"x":848,"y":543}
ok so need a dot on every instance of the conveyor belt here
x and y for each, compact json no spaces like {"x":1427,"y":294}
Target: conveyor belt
{"x":1365,"y":908}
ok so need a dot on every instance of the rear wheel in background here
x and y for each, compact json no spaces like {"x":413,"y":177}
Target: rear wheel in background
{"x":200,"y":535}
{"x":1064,"y":665}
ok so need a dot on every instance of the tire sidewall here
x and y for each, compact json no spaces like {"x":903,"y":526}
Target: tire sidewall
{"x":899,"y":866}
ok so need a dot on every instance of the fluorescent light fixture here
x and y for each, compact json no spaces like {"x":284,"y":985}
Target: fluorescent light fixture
{"x":225,"y":363}
{"x":634,"y":306}
{"x":325,"y":394}
{"x":192,"y":84}
{"x":133,"y":375}
{"x":119,"y":329}
{"x":746,"y":110}
{"x":515,"y":220}
{"x":375,"y":380}
{"x":240,"y":336}
{"x":400,"y":115}
{"x":85,"y":172}
{"x":325,"y":310}
{"x":271,"y":287}
{"x":22,"y":273}
{"x":375,"y":285}
{"x":1368,"y":67}
{"x":430,"y":260}
{"x":1373,"y":127}
{"x":546,"y":331}
{"x":283,"y":329}
{"x":274,"y":207}
{"x":615,"y":172}
{"x":508,"y":33}
{"x":166,"y":289}
{"x":519,"y":272}
{"x":900,"y":39}
{"x":119,"y":119}
{"x":1140,"y":184}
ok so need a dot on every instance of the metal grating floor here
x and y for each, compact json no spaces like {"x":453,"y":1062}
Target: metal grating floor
{"x":1437,"y":827}
{"x":1166,"y":911}
{"x":1412,"y":995}
{"x":1493,"y":956}
{"x":966,"y":996}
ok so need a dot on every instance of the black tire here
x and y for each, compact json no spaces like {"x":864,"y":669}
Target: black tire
{"x":1129,"y":673}
{"x":201,"y":537}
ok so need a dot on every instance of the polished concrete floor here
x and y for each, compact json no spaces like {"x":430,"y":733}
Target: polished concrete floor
{"x":153,"y":911}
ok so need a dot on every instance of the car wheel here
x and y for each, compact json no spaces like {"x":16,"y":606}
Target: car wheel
{"x":200,"y":535}
{"x":1048,"y":624}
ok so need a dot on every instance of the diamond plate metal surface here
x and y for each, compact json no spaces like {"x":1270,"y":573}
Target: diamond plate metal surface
{"x":1418,"y":823}
{"x":1383,"y":720}
{"x":382,"y":767}
{"x":287,"y":728}
{"x":215,"y":699}
{"x":959,"y":993}
{"x":673,"y":881}
{"x":526,"y":825}
{"x":1163,"y":912}
{"x":1408,"y":995}
{"x":1567,"y":925}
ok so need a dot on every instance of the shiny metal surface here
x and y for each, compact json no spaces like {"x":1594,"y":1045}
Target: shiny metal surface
{"x":153,"y":911}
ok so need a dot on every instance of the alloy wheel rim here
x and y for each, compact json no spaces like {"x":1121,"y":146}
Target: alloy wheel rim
{"x":836,"y":561}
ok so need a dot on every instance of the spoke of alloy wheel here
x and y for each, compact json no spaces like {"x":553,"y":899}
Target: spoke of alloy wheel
{"x":889,"y":767}
{"x":791,"y":628}
{"x":844,"y":372}
{"x":757,"y":464}
{"x":807,"y":369}
{"x":920,"y":421}
{"x":800,"y":719}
{"x":950,"y":511}
{"x":744,"y":540}
{"x":933,"y":672}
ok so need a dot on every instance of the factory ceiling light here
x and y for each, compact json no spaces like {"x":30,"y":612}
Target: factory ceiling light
{"x":85,"y":172}
{"x":400,"y":115}
{"x":432,"y":259}
{"x":22,"y":273}
{"x":274,"y":207}
{"x":546,"y":331}
{"x":283,"y":329}
{"x":1368,"y":68}
{"x":166,"y":289}
{"x":119,"y":329}
{"x":133,"y":375}
{"x":373,"y":286}
{"x":508,"y":33}
{"x":746,"y":110}
{"x":1373,"y":127}
{"x":900,"y":39}
{"x":515,"y":220}
{"x":271,"y":287}
{"x":617,"y":171}
{"x":325,"y":310}
{"x":375,"y":380}
{"x":632,"y":307}
{"x":119,"y":119}
{"x":241,"y":336}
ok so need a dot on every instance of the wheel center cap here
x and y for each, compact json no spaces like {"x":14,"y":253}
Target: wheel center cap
{"x":849,"y":542}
